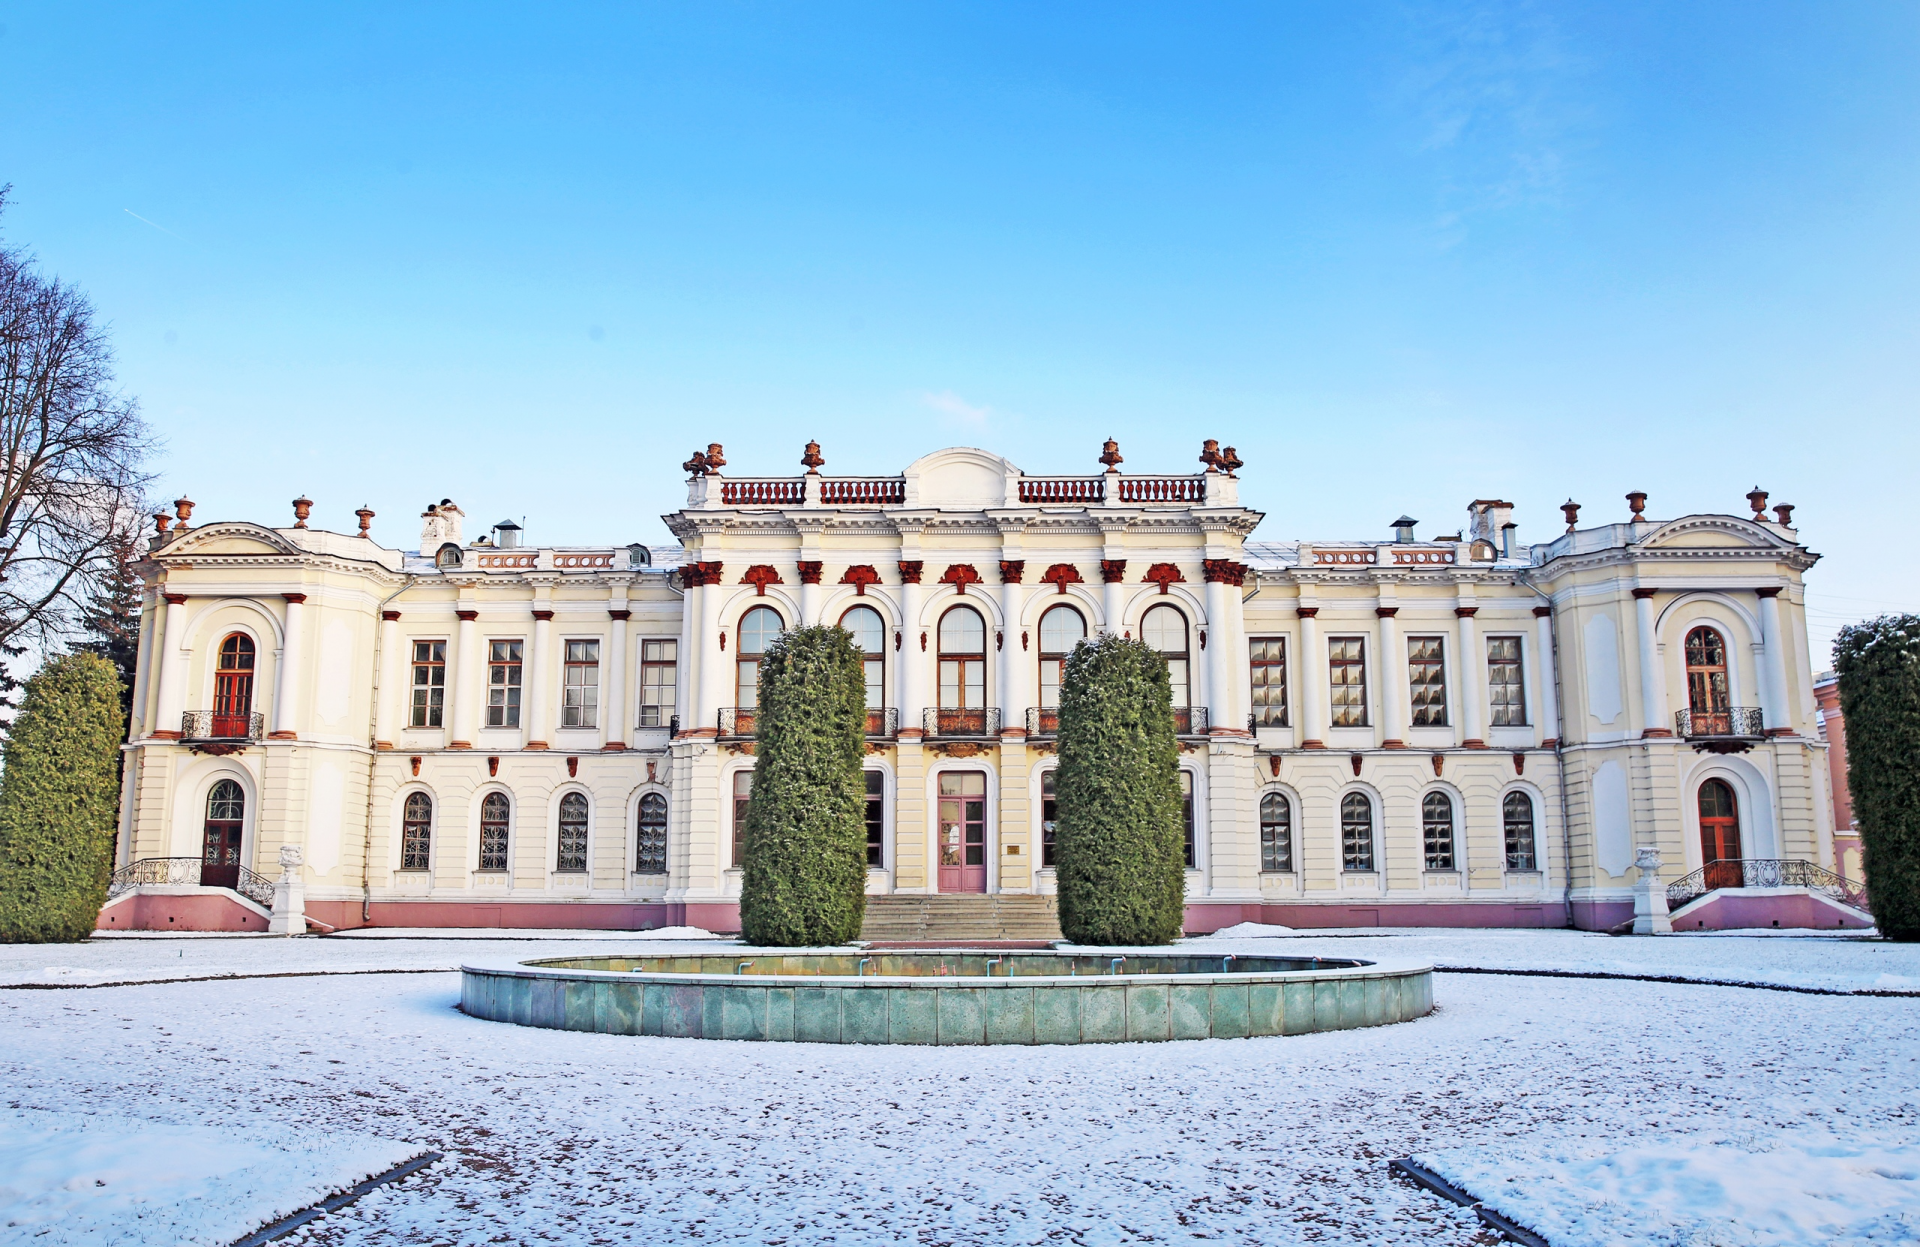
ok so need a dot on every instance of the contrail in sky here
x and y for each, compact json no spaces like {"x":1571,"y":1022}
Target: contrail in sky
{"x":163,"y":229}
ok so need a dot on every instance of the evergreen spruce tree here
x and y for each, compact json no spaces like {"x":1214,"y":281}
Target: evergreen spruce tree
{"x":805,"y":880}
{"x":112,"y":614}
{"x":58,"y":801}
{"x":1118,"y":844}
{"x":1878,"y":663}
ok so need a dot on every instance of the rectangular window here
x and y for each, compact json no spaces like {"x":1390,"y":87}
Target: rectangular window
{"x":503,"y":683}
{"x":1427,"y":676}
{"x":876,"y":818}
{"x":1506,"y":689}
{"x":742,"y":792}
{"x":1049,"y":816}
{"x":1186,"y":813}
{"x":1269,"y":664}
{"x":581,"y":706}
{"x":659,"y":677}
{"x":1347,"y":673}
{"x":429,"y":683}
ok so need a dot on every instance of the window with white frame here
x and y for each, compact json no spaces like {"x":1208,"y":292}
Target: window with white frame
{"x":1506,"y":687}
{"x":742,"y":797}
{"x":580,"y":703}
{"x":659,"y":681}
{"x":1356,"y":832}
{"x":1186,"y":813}
{"x":1061,"y":628}
{"x":1276,"y":833}
{"x":429,"y":683}
{"x":503,"y":683}
{"x":1049,"y":817}
{"x":1436,"y":827}
{"x":1347,"y":678}
{"x":870,"y":638}
{"x":1165,"y":629}
{"x":758,"y":628}
{"x":876,"y":811}
{"x":1517,"y":814}
{"x":1427,"y":679}
{"x":1268,"y":666}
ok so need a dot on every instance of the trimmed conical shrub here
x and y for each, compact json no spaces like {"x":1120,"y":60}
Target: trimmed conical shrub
{"x":59,"y":798}
{"x":1878,"y":663}
{"x":805,"y":879}
{"x":1119,"y":842}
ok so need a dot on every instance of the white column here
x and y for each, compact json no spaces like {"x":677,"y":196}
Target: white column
{"x":614,"y":725}
{"x":688,"y":655}
{"x":538,"y":724}
{"x":912,"y":663}
{"x":1216,"y":692}
{"x":1312,"y":663}
{"x":809,"y":602}
{"x":1653,"y":680}
{"x":1544,"y":667}
{"x":465,"y":674}
{"x":1773,"y":666}
{"x":173,"y":669}
{"x":1015,"y":694}
{"x":144,"y":665}
{"x":1392,"y":680}
{"x":286,"y":683}
{"x":1472,"y":666}
{"x":713,"y":663}
{"x":389,"y":674}
{"x":1113,"y":603}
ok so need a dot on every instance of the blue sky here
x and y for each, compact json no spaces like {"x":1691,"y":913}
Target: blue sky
{"x":1400,"y":255}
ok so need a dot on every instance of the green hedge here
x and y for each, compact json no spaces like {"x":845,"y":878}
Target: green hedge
{"x":59,"y":799}
{"x":1878,"y":663}
{"x":805,"y":881}
{"x":1118,"y":844}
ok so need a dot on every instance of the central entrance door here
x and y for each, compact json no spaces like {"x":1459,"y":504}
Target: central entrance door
{"x":1719,"y":835}
{"x":220,"y":847}
{"x":963,"y":831}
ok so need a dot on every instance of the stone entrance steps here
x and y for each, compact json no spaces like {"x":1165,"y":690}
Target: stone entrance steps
{"x":919,"y":919}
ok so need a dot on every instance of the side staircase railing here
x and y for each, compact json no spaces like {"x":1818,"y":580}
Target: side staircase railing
{"x":1766,"y":872}
{"x":191,"y":871}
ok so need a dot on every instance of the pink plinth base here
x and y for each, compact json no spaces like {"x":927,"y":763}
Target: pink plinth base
{"x":721,"y":919}
{"x":1744,"y":909}
{"x":1201,"y":919}
{"x":198,"y":911}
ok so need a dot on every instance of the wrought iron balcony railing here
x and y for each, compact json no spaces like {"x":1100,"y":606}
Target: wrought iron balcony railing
{"x":206,"y":725}
{"x":1043,"y":721}
{"x":1733,"y":723}
{"x":883,"y":722}
{"x":193,"y":872}
{"x":1187,"y":721}
{"x":737,"y":720}
{"x":1766,"y":872}
{"x":978,"y":721}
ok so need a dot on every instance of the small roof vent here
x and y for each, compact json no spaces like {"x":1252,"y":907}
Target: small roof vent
{"x":1403,"y":530}
{"x":506,"y":535}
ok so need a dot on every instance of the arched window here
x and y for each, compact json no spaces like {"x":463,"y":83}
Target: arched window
{"x":495,"y":813}
{"x":1276,"y":833}
{"x":416,"y":832}
{"x":757,"y":629}
{"x":1061,"y":628}
{"x":1707,"y":683}
{"x":447,"y":556}
{"x":1719,"y":834}
{"x":963,"y":671}
{"x":1165,"y":629}
{"x":1049,"y":817}
{"x":1516,"y":812}
{"x":220,"y":846}
{"x":1356,"y":832}
{"x":650,"y":844}
{"x":870,"y":638}
{"x":1436,"y":826}
{"x":572,"y":858}
{"x":233,"y":686}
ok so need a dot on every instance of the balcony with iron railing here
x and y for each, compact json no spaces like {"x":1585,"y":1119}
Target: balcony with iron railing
{"x":1766,"y":872}
{"x":950,"y":723}
{"x":1043,"y":721}
{"x":738,"y":722}
{"x":192,"y":872}
{"x":214,"y":733}
{"x":1732,"y":730}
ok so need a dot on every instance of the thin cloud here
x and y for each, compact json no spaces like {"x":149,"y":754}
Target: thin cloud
{"x":163,"y":229}
{"x":958,"y":409}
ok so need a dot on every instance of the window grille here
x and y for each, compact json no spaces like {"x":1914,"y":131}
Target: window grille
{"x":495,"y":814}
{"x":572,"y":858}
{"x":416,"y":832}
{"x":650,"y":843}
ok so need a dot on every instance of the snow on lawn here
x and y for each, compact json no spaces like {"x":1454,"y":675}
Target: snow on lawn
{"x":68,"y":1179}
{"x":1826,"y":1191}
{"x":561,"y":1137}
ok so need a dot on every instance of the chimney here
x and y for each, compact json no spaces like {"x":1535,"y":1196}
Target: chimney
{"x":506,"y":535}
{"x":1403,"y":531}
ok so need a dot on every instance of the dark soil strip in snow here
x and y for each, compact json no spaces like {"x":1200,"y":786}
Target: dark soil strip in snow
{"x":287,"y":1225}
{"x":1420,"y":1175}
{"x":213,"y":978}
{"x":1677,"y":978}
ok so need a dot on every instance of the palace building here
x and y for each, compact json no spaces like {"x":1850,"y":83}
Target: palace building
{"x":1464,"y":730}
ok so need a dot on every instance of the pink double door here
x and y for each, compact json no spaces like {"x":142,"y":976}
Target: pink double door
{"x":962,"y":827}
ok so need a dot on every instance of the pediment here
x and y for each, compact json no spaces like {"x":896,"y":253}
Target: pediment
{"x":1713,"y":532}
{"x":240,"y":540}
{"x":960,"y":478}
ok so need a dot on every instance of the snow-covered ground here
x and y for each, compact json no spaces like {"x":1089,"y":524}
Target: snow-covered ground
{"x":1546,"y":1096}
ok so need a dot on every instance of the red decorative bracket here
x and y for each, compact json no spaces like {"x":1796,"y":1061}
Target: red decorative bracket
{"x":860,"y":576}
{"x":1223,"y":571}
{"x":1011,"y":570}
{"x":1113,"y":571}
{"x":694,"y":575}
{"x":810,"y":571}
{"x":1061,"y":575}
{"x":960,"y":575}
{"x":760,"y":575}
{"x":910,"y":571}
{"x":1163,"y":574}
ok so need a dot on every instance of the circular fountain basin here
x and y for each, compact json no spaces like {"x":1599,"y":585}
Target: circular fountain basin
{"x":959,"y":997}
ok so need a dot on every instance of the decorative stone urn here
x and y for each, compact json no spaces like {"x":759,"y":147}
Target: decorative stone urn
{"x":1650,"y":895}
{"x":289,"y":895}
